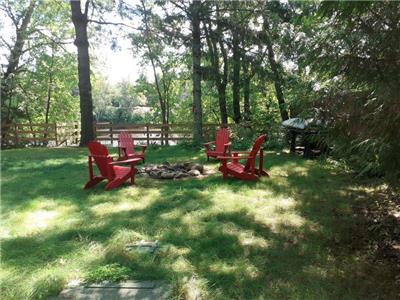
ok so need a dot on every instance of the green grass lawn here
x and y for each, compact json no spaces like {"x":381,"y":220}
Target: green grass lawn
{"x":290,"y":236}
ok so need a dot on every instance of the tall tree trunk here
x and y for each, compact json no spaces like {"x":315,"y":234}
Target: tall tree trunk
{"x":49,"y":92}
{"x":13,"y":62}
{"x":236,"y":77}
{"x":49,"y":88}
{"x":246,"y":92}
{"x":80,"y":21}
{"x":161,"y":96}
{"x":276,"y":75}
{"x":220,"y":80}
{"x":196,"y":76}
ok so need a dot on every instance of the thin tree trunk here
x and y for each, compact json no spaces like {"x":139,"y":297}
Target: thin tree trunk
{"x":13,"y":62}
{"x":49,"y":88}
{"x":80,"y":21}
{"x":246,"y":92}
{"x":220,"y":80}
{"x":196,"y":76}
{"x":236,"y":77}
{"x":49,"y":92}
{"x":161,"y":98}
{"x":276,"y":75}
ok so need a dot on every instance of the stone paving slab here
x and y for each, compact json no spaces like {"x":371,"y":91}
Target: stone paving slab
{"x":133,"y":290}
{"x":144,"y":246}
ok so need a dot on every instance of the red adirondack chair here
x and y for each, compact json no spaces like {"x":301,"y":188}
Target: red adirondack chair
{"x":126,"y":147}
{"x":249,"y":170}
{"x":109,"y":169}
{"x":222,"y":144}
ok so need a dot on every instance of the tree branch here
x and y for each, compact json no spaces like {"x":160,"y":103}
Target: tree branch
{"x":112,"y":23}
{"x":86,"y":8}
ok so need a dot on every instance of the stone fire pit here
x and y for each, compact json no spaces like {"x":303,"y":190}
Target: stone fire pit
{"x":173,"y":171}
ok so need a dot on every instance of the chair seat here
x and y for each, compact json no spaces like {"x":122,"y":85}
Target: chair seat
{"x":121,"y":171}
{"x":133,"y":155}
{"x":238,"y":168}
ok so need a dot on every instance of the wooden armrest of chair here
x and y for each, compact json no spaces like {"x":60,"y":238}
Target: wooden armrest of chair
{"x":126,"y":161}
{"x":224,"y":157}
{"x":241,"y":152}
{"x":207,"y":145}
{"x":233,"y":157}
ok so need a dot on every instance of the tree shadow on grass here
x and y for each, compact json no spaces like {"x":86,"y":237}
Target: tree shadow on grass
{"x":233,"y":251}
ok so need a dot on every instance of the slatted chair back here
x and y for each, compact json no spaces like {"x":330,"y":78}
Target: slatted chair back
{"x":253,"y":154}
{"x":222,"y":138}
{"x":101,"y":157}
{"x":126,"y":141}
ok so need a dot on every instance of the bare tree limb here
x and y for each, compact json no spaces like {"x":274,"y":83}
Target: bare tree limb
{"x":111,"y":23}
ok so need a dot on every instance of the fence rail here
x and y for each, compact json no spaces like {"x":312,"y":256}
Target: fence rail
{"x":36,"y":134}
{"x":162,"y":134}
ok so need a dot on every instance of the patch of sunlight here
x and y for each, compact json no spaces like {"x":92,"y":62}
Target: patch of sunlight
{"x":182,"y":265}
{"x":248,"y":269}
{"x":39,"y":215}
{"x":193,"y":227}
{"x":259,"y":193}
{"x":222,"y":267}
{"x":222,"y":191}
{"x":316,"y":271}
{"x":131,"y":202}
{"x":285,"y":203}
{"x":275,"y":221}
{"x":171,"y":215}
{"x":252,"y":241}
{"x":126,"y":236}
{"x":5,"y":233}
{"x":242,"y":267}
{"x":39,"y":219}
{"x":178,"y":251}
{"x":40,"y":164}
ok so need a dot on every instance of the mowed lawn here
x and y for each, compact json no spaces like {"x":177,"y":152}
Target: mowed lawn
{"x":290,"y":236}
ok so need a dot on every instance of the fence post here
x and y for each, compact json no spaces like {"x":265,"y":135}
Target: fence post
{"x":166,"y":135}
{"x":16,"y":142}
{"x":162,"y":135}
{"x":94,"y":129}
{"x":111,"y":134}
{"x":76,"y":133}
{"x":147,"y":134}
{"x":55,"y":132}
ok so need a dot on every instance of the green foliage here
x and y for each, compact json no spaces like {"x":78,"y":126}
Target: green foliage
{"x":360,"y":95}
{"x":121,"y":103}
{"x":47,"y":285}
{"x":46,"y":69}
{"x":111,"y":272}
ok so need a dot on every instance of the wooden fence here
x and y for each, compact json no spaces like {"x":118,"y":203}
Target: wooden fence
{"x":151,"y":133}
{"x":53,"y":135}
{"x":22,"y":135}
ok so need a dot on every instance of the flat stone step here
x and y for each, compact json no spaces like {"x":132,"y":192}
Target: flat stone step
{"x":130,"y":289}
